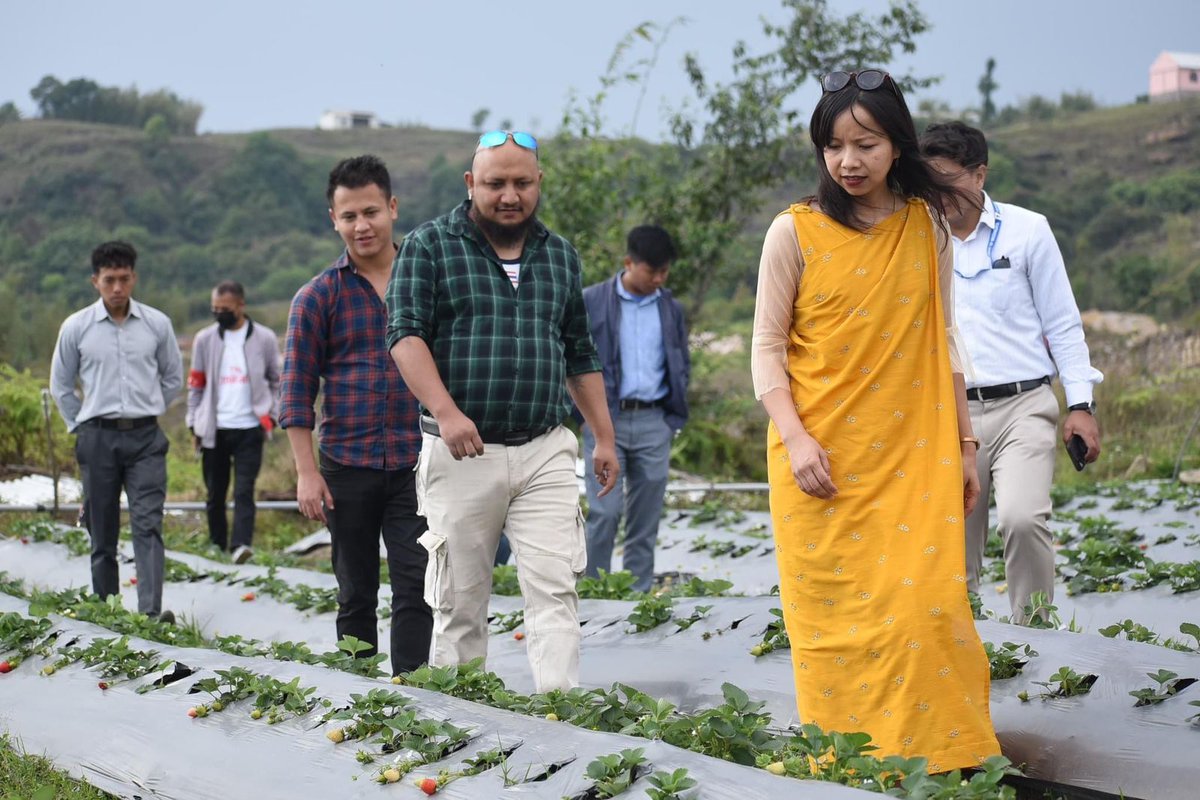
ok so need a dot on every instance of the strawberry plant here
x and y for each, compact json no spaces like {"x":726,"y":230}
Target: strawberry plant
{"x":1041,"y":613}
{"x":1168,"y":685}
{"x":613,"y":774}
{"x":466,"y":681}
{"x":1193,"y":630}
{"x":229,"y":686}
{"x":115,"y":657}
{"x":651,"y":611}
{"x":22,"y":637}
{"x":669,"y":785}
{"x":347,"y":658}
{"x":11,"y":586}
{"x":775,"y":637}
{"x":1194,"y":718}
{"x":277,"y":700}
{"x":698,"y":613}
{"x":501,"y":622}
{"x":1067,"y":683}
{"x":698,"y":587}
{"x":504,"y":581}
{"x":608,"y":586}
{"x":1008,"y":660}
{"x":366,"y":714}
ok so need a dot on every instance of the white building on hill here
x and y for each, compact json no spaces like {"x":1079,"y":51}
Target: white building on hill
{"x":345,"y":120}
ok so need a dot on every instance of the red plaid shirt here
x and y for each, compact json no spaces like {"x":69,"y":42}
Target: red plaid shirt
{"x":336,"y":332}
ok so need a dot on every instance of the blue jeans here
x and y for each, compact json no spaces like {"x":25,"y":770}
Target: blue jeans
{"x":644,"y":452}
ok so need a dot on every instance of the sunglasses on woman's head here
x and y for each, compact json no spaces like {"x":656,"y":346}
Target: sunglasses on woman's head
{"x":867,"y":80}
{"x":497,"y":138}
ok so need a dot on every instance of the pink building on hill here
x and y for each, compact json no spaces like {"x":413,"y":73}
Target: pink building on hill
{"x":1174,"y":76}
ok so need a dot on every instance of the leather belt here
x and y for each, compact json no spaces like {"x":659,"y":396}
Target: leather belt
{"x":1005,"y":389}
{"x":634,"y":405}
{"x":506,"y":438}
{"x":123,"y":423}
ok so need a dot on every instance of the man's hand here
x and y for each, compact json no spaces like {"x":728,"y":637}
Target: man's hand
{"x":1084,"y":424}
{"x":312,"y":495}
{"x":607,"y":468}
{"x":810,"y":466}
{"x":196,"y":444}
{"x":971,"y":487}
{"x":460,"y":435}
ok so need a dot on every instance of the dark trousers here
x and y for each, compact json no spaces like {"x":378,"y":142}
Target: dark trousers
{"x":135,"y":460}
{"x":366,"y":503}
{"x":242,"y":449}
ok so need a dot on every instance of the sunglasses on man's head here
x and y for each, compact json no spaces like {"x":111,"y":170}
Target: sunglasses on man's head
{"x":867,"y":80}
{"x":497,"y":138}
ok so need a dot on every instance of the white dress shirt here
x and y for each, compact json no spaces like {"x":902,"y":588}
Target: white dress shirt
{"x":1019,"y":323}
{"x":127,"y":370}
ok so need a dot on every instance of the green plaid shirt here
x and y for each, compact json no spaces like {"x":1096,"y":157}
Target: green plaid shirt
{"x":503,"y":353}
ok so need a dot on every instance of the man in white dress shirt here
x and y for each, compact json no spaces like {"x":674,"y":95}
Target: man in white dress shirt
{"x":1019,"y":323}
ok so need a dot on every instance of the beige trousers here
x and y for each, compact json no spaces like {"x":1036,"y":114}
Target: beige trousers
{"x":1018,"y":441}
{"x":531,"y":494}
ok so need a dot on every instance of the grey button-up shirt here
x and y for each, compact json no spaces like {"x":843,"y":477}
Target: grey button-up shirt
{"x":127,"y":370}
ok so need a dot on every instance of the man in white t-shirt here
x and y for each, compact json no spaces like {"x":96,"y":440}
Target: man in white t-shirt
{"x":233,"y":391}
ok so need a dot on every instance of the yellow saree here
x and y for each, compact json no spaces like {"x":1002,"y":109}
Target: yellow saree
{"x":873,"y":582}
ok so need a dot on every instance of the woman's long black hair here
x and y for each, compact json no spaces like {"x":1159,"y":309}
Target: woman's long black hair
{"x":911,"y":175}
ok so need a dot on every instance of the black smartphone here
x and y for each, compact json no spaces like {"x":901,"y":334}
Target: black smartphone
{"x":1077,"y":450}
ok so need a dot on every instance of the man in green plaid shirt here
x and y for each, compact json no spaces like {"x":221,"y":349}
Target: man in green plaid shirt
{"x":487,"y":325}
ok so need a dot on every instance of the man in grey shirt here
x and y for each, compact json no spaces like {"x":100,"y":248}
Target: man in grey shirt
{"x":124,"y":357}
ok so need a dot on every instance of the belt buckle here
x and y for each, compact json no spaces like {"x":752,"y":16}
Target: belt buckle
{"x":124,"y":424}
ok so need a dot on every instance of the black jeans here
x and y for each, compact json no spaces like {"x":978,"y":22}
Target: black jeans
{"x":366,"y":503}
{"x":243,"y":450}
{"x":135,"y":460}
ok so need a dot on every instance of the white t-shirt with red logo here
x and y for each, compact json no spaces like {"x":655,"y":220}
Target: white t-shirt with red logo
{"x":234,"y":409}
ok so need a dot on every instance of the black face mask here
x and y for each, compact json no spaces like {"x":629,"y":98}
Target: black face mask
{"x":225,"y":319}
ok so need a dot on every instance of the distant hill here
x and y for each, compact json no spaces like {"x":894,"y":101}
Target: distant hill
{"x":1121,"y":187}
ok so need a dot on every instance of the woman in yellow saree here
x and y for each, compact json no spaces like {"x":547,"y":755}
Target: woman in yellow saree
{"x":870,"y":453}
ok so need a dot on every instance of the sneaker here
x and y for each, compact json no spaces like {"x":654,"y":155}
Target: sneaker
{"x":241,"y":554}
{"x":167,"y":617}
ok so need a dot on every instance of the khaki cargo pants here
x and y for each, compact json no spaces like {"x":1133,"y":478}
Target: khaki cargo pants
{"x":529,"y":492}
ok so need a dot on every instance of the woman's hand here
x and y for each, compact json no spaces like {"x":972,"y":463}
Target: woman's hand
{"x":810,"y":466}
{"x":970,"y":478}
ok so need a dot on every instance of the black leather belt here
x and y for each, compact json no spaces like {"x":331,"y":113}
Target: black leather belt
{"x":633,"y":405}
{"x":123,"y":424}
{"x":1005,"y":389}
{"x":506,"y":438}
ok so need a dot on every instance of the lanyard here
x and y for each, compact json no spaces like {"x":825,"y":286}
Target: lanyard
{"x":994,"y":235}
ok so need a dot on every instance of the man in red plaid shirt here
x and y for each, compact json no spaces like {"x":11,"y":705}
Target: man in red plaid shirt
{"x":362,"y":485}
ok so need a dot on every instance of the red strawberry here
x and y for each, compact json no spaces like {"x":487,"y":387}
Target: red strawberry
{"x":247,"y":597}
{"x":103,"y":685}
{"x":133,"y":581}
{"x":5,"y":667}
{"x":429,"y":785}
{"x":192,"y":713}
{"x":518,"y":636}
{"x":24,"y":540}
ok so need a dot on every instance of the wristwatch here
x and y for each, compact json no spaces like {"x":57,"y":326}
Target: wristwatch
{"x":1088,"y":407}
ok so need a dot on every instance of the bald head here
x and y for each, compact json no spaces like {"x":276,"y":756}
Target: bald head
{"x":504,"y":185}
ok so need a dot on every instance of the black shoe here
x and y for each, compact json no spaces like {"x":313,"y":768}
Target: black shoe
{"x":167,"y":618}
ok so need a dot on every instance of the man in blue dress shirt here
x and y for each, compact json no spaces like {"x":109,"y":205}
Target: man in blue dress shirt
{"x":641,"y":337}
{"x":124,"y":357}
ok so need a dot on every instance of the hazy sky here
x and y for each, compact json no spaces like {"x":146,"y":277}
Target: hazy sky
{"x":257,"y":64}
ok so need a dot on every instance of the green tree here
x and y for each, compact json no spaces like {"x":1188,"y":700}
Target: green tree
{"x":479,"y":118}
{"x":9,"y":113}
{"x":731,"y":145}
{"x":987,"y":86}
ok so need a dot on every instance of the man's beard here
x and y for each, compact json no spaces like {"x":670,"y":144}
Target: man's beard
{"x":503,"y":235}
